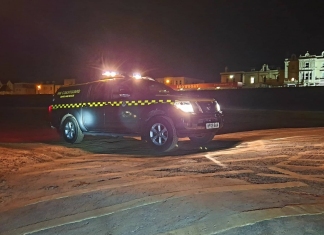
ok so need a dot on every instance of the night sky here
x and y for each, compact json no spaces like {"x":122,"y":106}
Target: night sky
{"x":47,"y":40}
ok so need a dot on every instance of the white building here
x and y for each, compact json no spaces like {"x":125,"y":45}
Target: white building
{"x":311,"y":70}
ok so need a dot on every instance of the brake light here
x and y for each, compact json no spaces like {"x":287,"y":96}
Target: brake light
{"x":50,"y":108}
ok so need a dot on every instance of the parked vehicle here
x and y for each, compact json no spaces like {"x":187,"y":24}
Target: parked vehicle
{"x":125,"y":106}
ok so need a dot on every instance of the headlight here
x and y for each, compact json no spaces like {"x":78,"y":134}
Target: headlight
{"x":185,"y":106}
{"x":218,"y":107}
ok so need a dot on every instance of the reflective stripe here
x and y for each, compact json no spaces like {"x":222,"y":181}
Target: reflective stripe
{"x":112,"y":103}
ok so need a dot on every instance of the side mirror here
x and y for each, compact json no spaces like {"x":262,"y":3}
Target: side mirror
{"x":122,"y":93}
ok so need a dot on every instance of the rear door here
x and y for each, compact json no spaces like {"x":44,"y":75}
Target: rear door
{"x":93,"y":113}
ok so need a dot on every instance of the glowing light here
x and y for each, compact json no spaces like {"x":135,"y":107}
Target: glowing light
{"x":218,"y":107}
{"x":137,"y":75}
{"x":218,"y":87}
{"x":292,"y":79}
{"x":109,"y":73}
{"x":167,"y":81}
{"x":185,"y":106}
{"x":231,"y":76}
{"x":39,"y":87}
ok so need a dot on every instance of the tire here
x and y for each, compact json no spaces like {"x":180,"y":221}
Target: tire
{"x":203,"y":138}
{"x":71,"y":131}
{"x":161,"y":134}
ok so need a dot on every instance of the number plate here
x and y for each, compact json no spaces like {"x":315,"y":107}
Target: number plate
{"x":212,"y":125}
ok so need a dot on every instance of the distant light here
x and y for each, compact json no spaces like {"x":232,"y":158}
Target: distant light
{"x":167,"y":81}
{"x":109,"y":73}
{"x":137,"y":75}
{"x":218,"y":87}
{"x":292,"y":79}
{"x":198,"y":88}
{"x":39,"y":87}
{"x":231,"y":76}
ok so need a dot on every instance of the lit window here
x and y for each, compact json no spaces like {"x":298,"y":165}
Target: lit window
{"x":252,"y":80}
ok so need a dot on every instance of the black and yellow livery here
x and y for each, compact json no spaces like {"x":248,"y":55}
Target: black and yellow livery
{"x":134,"y":107}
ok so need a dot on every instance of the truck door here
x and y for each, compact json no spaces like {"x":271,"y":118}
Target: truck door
{"x":93,"y":114}
{"x":122,"y":116}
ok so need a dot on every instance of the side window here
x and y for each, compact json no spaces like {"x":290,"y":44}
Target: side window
{"x":98,"y":92}
{"x":121,"y":92}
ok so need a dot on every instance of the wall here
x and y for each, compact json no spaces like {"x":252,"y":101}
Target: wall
{"x":297,"y":98}
{"x":25,"y":100}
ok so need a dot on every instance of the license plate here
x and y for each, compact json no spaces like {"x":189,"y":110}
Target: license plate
{"x":212,"y":125}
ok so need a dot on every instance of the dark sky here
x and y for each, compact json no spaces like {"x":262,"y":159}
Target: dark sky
{"x":45,"y":40}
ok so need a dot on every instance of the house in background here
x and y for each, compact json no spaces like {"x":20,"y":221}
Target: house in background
{"x":311,"y":70}
{"x":231,"y":77}
{"x":6,"y":88}
{"x":179,"y":80}
{"x":51,"y":87}
{"x":22,"y":88}
{"x":291,"y":71}
{"x":265,"y":77}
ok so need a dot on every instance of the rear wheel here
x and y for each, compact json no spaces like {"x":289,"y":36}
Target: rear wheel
{"x":160,"y":133}
{"x":203,"y":138}
{"x":71,"y":131}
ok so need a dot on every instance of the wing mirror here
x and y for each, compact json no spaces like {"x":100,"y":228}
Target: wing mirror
{"x":122,"y":93}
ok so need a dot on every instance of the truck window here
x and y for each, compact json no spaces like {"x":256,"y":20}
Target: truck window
{"x":99,"y":91}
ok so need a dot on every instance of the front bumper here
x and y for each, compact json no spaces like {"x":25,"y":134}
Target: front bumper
{"x":196,"y":124}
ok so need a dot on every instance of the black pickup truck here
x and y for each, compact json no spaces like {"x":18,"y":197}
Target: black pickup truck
{"x":125,"y":106}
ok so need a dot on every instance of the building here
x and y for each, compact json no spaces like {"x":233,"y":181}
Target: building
{"x":51,"y":87}
{"x":179,"y":80}
{"x":311,"y":70}
{"x":292,"y":71}
{"x":265,"y":77}
{"x":6,"y":88}
{"x":47,"y":88}
{"x":69,"y":82}
{"x":230,"y":77}
{"x":24,"y":88}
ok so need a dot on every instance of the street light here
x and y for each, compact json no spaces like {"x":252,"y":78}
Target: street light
{"x":39,"y":87}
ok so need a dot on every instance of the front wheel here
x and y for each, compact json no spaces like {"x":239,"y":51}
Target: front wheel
{"x":161,"y":134}
{"x":202,"y":138}
{"x":71,"y":131}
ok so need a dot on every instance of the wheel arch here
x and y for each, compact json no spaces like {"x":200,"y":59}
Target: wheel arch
{"x":64,"y":118}
{"x":77,"y":116}
{"x":151,"y":114}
